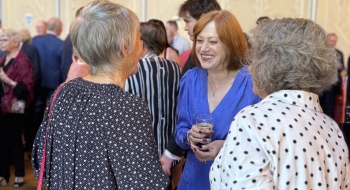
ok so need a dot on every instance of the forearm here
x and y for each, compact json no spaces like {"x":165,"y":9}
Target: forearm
{"x":181,"y":138}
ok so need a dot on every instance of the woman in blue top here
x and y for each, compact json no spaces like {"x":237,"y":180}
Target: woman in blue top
{"x":220,"y":86}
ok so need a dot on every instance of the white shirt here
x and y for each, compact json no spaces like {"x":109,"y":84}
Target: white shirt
{"x":180,"y":44}
{"x":283,"y":142}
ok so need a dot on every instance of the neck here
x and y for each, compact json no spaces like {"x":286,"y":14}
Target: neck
{"x":117,"y":78}
{"x":146,"y":52}
{"x":221,"y":75}
{"x":13,"y":53}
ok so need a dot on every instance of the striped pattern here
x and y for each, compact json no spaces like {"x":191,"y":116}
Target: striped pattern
{"x":157,"y":82}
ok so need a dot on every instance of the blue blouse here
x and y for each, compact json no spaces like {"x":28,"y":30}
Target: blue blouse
{"x":193,"y":100}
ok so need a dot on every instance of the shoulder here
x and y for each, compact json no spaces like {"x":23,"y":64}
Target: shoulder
{"x":193,"y":74}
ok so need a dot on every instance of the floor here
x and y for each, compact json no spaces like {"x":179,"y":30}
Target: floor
{"x":29,"y":180}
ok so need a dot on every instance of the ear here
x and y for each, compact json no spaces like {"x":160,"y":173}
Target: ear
{"x":124,"y":50}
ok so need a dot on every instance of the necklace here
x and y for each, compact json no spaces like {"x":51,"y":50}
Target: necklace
{"x":214,"y":91}
{"x":222,"y":84}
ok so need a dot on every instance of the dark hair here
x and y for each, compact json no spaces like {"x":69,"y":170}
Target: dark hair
{"x":163,"y":27}
{"x":153,"y":37}
{"x":262,"y":18}
{"x":173,"y":23}
{"x":198,"y":7}
{"x":78,"y":11}
{"x":230,"y":33}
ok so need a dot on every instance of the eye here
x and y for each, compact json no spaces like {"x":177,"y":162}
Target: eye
{"x":199,"y":41}
{"x":213,"y":42}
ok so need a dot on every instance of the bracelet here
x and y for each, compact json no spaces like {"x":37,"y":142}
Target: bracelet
{"x":188,"y":135}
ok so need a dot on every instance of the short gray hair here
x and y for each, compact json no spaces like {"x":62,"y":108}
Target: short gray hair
{"x":291,"y":54}
{"x":101,"y":31}
{"x":53,"y":24}
{"x":13,"y":34}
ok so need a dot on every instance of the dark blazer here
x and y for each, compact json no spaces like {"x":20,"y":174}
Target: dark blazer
{"x":50,"y":49}
{"x":66,"y":59}
{"x":32,"y":53}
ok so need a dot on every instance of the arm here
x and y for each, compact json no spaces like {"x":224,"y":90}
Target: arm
{"x":183,"y":124}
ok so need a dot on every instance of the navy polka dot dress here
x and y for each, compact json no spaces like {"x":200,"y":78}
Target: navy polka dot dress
{"x":100,"y":137}
{"x":283,"y":142}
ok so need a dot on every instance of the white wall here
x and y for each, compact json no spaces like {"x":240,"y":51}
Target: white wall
{"x":331,"y":14}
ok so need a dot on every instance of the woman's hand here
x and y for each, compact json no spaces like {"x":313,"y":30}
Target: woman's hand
{"x":198,"y":136}
{"x":208,"y":151}
{"x":3,"y":77}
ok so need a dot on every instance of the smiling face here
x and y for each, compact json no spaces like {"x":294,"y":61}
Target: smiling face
{"x":210,"y":50}
{"x":189,"y":24}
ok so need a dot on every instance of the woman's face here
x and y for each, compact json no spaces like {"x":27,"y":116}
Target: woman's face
{"x":210,"y":51}
{"x":7,"y":44}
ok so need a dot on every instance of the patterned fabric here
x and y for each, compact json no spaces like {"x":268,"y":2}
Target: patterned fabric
{"x":100,"y":137}
{"x":157,"y":82}
{"x":283,"y":142}
{"x":193,"y":100}
{"x":20,"y":71}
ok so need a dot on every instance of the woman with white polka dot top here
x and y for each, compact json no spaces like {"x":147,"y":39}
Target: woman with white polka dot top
{"x":99,"y":136}
{"x":285,"y":141}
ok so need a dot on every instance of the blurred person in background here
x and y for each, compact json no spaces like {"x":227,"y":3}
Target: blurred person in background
{"x":41,"y":27}
{"x":169,"y":53}
{"x":16,"y":93}
{"x":31,"y":125}
{"x":157,"y":82}
{"x":178,"y":42}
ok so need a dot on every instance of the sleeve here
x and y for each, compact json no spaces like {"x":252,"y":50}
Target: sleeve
{"x":36,"y":65}
{"x":183,"y":124}
{"x":173,"y":148}
{"x":132,"y":149}
{"x":242,"y":162}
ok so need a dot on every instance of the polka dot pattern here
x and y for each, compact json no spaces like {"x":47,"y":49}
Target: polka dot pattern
{"x":292,"y":145}
{"x":100,"y":137}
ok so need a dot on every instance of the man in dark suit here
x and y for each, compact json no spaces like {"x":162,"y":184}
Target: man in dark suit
{"x":66,"y":59}
{"x":32,"y":122}
{"x":327,"y":98}
{"x":49,"y":47}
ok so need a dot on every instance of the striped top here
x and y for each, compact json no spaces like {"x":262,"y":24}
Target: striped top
{"x":157,"y":82}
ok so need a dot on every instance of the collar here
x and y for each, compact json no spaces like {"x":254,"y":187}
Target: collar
{"x":51,"y":32}
{"x":298,"y":98}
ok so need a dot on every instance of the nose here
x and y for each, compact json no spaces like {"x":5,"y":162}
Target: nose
{"x":205,"y":46}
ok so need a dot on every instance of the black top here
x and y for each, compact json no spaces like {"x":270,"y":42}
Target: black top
{"x":99,"y":137}
{"x":188,"y":65}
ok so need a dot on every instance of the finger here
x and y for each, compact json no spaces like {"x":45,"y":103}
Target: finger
{"x":166,"y":170}
{"x":198,"y":140}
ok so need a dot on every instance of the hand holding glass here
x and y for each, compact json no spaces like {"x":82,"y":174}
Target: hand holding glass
{"x":205,"y":123}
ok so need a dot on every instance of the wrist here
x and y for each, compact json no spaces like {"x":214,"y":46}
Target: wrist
{"x":188,"y":137}
{"x":12,"y":83}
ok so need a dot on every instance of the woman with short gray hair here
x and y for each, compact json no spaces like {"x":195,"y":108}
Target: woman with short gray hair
{"x":285,"y":141}
{"x":98,"y":135}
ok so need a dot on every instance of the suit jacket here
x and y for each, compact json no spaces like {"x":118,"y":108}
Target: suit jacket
{"x":32,"y":53}
{"x":50,"y":49}
{"x":66,"y":58}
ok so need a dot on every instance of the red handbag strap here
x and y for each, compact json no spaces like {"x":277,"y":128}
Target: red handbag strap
{"x":43,"y":157}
